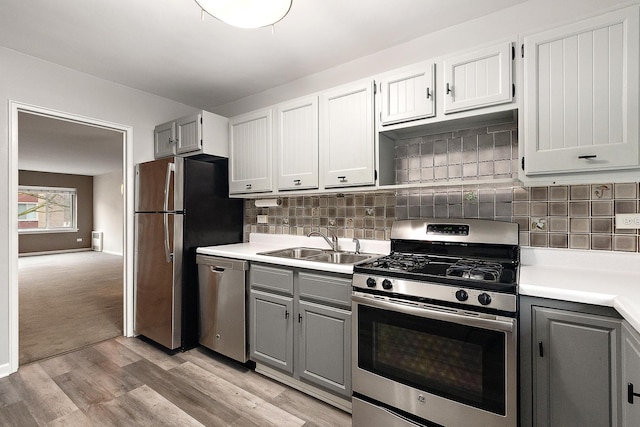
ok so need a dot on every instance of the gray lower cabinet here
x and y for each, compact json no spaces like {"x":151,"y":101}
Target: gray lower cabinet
{"x":570,"y":364}
{"x":300,"y":324}
{"x":630,"y":376}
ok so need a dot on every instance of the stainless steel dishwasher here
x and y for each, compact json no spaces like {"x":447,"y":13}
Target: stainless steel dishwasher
{"x":223,"y":306}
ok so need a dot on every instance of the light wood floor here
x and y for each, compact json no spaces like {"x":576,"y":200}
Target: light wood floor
{"x":128,"y":382}
{"x":68,"y":301}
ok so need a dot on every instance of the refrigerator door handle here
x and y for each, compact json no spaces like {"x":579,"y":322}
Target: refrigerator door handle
{"x":171,"y":168}
{"x":167,"y":249}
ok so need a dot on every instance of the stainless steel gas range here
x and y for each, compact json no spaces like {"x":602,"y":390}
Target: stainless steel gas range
{"x":435,"y":327}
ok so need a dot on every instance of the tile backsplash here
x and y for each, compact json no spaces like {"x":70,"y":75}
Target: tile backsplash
{"x":573,"y":216}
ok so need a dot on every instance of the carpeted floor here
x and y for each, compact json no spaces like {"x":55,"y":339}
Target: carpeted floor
{"x":68,"y":301}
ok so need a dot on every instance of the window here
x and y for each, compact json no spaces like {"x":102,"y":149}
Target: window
{"x":43,"y":209}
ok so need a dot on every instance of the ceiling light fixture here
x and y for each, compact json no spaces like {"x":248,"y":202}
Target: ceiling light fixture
{"x":246,"y":13}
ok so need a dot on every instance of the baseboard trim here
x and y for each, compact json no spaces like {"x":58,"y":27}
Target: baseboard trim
{"x":113,"y":253}
{"x":333,"y":400}
{"x":5,"y":370}
{"x":64,"y":251}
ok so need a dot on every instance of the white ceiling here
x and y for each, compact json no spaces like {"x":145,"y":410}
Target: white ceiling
{"x":163,"y":47}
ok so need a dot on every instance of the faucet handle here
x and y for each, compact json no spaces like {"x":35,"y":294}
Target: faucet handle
{"x":357,"y":242}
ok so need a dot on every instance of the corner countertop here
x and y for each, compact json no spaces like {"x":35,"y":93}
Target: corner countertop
{"x":592,"y":277}
{"x":260,"y":242}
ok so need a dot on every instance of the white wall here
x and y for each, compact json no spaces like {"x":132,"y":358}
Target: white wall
{"x":31,"y":81}
{"x":519,"y":20}
{"x":108,"y":211}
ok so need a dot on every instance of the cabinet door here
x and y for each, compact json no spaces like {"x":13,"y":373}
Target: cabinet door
{"x":325,"y":346}
{"x":250,"y":152}
{"x":478,"y":79}
{"x":581,"y":96}
{"x":189,"y":134}
{"x":347,"y":135}
{"x":271,"y":330}
{"x":408,"y":96}
{"x":630,"y":376}
{"x":575,"y":369}
{"x":163,"y":140}
{"x":297,"y":144}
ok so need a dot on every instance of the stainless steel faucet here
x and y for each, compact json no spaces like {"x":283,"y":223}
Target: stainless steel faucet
{"x":333,"y":242}
{"x":357,"y":242}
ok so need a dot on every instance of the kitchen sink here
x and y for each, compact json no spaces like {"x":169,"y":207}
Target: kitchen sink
{"x":297,"y":253}
{"x":320,"y":255}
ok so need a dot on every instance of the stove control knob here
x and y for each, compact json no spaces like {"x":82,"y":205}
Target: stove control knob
{"x":484,"y":298}
{"x":462,"y":295}
{"x":386,"y":284}
{"x":371,"y":282}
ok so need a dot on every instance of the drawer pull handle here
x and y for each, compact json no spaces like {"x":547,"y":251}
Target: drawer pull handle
{"x":630,"y":393}
{"x":248,"y":186}
{"x":342,"y":178}
{"x":588,"y":156}
{"x":299,"y":318}
{"x":540,"y":349}
{"x":449,"y":89}
{"x":428,"y":93}
{"x":286,"y":314}
{"x":296,"y":182}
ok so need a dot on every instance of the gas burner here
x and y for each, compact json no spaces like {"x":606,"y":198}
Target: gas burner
{"x":401,"y":262}
{"x":475,"y":270}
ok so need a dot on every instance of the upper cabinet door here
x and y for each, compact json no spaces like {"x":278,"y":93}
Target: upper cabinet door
{"x":478,"y":79}
{"x":347,"y":135}
{"x":297,"y":144}
{"x":250,"y":152}
{"x":408,"y":96}
{"x":164,"y":136}
{"x":189,"y":134}
{"x":581,"y":95}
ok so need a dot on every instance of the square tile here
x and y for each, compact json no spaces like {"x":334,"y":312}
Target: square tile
{"x":601,"y":242}
{"x":625,"y":191}
{"x":539,"y":240}
{"x":558,"y":193}
{"x":520,"y":193}
{"x":579,"y":241}
{"x":539,"y":209}
{"x":602,"y":208}
{"x":601,"y":192}
{"x":558,"y":208}
{"x":580,"y":192}
{"x":539,"y":193}
{"x":523,"y":223}
{"x":580,"y":225}
{"x":558,"y":224}
{"x":524,"y":238}
{"x":625,"y":243}
{"x":625,"y":206}
{"x":579,"y":209}
{"x":558,"y":240}
{"x":601,"y":225}
{"x":520,"y":208}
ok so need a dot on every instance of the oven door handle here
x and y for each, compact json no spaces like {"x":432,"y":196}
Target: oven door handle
{"x":433,"y":313}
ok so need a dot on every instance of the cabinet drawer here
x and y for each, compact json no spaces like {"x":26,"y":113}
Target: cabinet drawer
{"x":274,"y":279}
{"x":333,"y":290}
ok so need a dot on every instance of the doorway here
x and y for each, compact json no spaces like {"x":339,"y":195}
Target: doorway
{"x":57,"y":158}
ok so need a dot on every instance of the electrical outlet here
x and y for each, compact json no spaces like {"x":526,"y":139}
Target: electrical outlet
{"x":263,"y":219}
{"x":628,"y":220}
{"x":538,"y":224}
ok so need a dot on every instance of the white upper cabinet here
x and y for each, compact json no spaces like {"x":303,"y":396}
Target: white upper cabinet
{"x":581,"y":96}
{"x":296,"y":133}
{"x":409,"y":95}
{"x":201,"y":133}
{"x":347,"y":135}
{"x":250,"y":152}
{"x":164,"y":136}
{"x":478,"y":79}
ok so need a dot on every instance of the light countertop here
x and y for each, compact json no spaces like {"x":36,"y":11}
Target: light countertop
{"x":602,"y":278}
{"x":609,"y":279}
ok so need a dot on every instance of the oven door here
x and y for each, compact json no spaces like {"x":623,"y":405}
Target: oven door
{"x":443,"y":365}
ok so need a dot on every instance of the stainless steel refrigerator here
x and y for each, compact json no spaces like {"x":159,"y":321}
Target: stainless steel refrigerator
{"x":181,"y":204}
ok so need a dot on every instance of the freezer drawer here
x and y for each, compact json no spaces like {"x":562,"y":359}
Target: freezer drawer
{"x":223,"y":302}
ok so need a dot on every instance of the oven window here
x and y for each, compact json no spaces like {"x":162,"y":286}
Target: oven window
{"x":458,"y":362}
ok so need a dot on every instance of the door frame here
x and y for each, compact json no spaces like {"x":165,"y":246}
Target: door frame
{"x":127,"y":179}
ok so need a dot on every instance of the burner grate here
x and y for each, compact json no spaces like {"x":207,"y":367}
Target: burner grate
{"x":475,"y":270}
